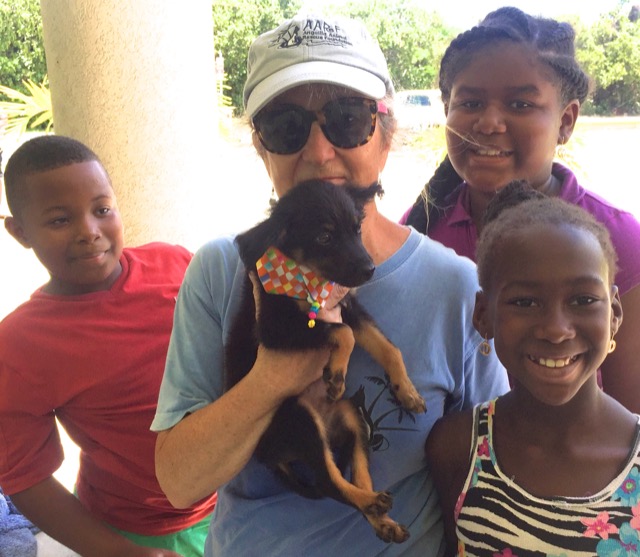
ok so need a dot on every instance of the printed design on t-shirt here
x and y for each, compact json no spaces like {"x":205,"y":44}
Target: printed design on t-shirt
{"x":623,"y":540}
{"x":383,"y":413}
{"x":606,"y":525}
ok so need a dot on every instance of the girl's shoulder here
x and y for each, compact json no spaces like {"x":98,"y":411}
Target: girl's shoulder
{"x":449,"y":443}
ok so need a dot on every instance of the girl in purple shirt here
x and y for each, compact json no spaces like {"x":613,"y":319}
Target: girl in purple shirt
{"x":512,"y":91}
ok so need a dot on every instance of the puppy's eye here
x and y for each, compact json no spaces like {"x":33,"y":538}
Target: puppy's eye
{"x":324,"y":239}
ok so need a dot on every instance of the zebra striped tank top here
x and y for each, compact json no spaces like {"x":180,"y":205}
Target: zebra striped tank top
{"x":497,"y":518}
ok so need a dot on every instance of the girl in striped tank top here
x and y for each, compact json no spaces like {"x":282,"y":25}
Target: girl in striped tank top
{"x":551,"y":468}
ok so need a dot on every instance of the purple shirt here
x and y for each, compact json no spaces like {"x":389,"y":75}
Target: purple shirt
{"x":456,"y":229}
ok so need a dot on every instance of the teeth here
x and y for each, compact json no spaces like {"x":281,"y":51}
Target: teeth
{"x":489,"y":152}
{"x":548,"y":362}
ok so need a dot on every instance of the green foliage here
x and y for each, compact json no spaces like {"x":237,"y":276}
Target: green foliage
{"x":610,"y":53}
{"x":412,"y":38}
{"x":225,"y":108}
{"x":21,"y":49}
{"x":27,"y":111}
{"x":235,"y":24}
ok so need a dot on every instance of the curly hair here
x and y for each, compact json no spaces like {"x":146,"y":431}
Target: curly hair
{"x":553,"y":41}
{"x":517,"y":207}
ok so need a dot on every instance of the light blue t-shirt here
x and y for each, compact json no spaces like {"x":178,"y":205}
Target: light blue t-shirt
{"x":422,"y":298}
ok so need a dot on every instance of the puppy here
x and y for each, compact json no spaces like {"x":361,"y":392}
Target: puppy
{"x":313,"y":233}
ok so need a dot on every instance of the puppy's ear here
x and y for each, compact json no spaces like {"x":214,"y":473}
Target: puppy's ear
{"x":254,"y":242}
{"x":361,"y":196}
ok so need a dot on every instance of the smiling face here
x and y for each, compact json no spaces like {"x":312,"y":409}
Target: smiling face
{"x":319,"y":158}
{"x":72,"y":223}
{"x":551,"y":310}
{"x":505,"y":118}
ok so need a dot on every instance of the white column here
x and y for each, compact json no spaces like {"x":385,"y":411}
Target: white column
{"x":136,"y":82}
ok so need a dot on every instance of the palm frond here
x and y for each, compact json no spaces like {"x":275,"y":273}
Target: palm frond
{"x":26,"y":111}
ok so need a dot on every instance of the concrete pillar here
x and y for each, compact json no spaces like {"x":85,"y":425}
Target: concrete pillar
{"x":136,"y":82}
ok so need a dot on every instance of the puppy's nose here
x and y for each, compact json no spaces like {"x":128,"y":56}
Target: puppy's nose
{"x":367,"y":272}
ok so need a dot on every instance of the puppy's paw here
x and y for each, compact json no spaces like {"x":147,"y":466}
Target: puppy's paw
{"x":409,"y":397}
{"x":381,"y":505}
{"x":390,"y":531}
{"x":334,"y":380}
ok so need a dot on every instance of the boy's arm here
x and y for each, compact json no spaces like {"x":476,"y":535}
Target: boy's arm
{"x":60,"y":514}
{"x":448,"y":453}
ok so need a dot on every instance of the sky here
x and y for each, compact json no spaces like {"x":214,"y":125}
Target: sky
{"x":466,"y":13}
{"x":463,"y":14}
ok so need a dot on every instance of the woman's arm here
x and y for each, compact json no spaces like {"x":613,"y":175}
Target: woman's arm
{"x":62,"y":516}
{"x":209,"y":447}
{"x":621,"y":369}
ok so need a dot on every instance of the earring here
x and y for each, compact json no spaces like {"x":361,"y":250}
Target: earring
{"x":273,"y":199}
{"x":612,"y":346}
{"x":485,"y":347}
{"x":561,"y":150}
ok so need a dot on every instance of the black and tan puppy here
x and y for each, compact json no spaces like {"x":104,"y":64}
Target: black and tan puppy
{"x":317,"y":225}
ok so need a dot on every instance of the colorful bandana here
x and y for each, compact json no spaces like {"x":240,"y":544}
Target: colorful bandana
{"x":281,"y":275}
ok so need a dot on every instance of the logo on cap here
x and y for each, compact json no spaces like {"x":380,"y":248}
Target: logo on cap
{"x":315,"y":32}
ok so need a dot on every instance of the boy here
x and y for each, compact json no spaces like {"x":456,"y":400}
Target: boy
{"x":89,"y":349}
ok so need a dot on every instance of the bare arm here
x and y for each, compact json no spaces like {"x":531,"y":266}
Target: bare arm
{"x":221,"y":437}
{"x":447,"y":449}
{"x":61,"y":515}
{"x":621,"y":369}
{"x":209,"y":447}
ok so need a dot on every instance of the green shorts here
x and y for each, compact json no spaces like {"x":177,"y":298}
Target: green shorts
{"x":188,"y":542}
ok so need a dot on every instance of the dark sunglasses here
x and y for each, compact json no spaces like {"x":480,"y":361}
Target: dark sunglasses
{"x":347,"y":123}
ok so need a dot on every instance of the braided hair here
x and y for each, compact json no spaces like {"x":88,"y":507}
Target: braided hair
{"x":518,"y":206}
{"x":554,"y":43}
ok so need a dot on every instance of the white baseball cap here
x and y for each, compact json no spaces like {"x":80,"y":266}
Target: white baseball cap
{"x":311,"y":48}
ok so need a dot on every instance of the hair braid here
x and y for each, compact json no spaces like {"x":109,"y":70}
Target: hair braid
{"x":456,"y":55}
{"x":428,"y":207}
{"x":516,"y":208}
{"x":554,"y":43}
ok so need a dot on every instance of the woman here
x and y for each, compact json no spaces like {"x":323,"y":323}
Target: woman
{"x":318,"y":94}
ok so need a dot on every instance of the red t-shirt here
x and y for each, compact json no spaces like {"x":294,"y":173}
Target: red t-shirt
{"x":95,"y":362}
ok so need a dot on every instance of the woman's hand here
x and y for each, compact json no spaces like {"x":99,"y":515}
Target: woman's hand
{"x":210,"y":435}
{"x":332,"y":311}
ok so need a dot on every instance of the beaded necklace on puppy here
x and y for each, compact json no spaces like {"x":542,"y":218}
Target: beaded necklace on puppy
{"x":282,"y":275}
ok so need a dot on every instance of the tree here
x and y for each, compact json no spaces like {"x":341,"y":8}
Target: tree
{"x":412,"y":38}
{"x":236,"y":23}
{"x":24,"y":112}
{"x":610,"y":53}
{"x":21,"y":48}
